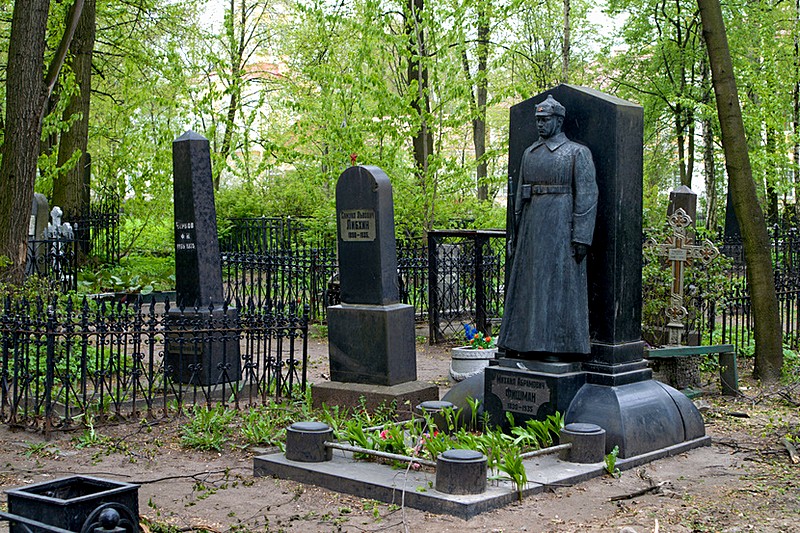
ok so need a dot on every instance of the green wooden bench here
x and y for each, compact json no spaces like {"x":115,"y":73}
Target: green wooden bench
{"x":726,"y":353}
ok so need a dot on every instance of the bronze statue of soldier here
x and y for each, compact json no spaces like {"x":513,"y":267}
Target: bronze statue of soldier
{"x":546,"y":313}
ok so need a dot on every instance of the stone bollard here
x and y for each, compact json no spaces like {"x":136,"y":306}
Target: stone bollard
{"x":588,"y":443}
{"x":461,"y":472}
{"x":435,"y":408}
{"x":305,"y":442}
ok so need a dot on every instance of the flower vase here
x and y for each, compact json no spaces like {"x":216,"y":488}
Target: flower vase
{"x":467,"y":361}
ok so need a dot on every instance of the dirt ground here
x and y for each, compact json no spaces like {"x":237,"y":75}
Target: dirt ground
{"x":744,"y":481}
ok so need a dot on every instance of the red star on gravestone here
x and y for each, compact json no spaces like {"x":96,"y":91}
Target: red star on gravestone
{"x":353,"y":158}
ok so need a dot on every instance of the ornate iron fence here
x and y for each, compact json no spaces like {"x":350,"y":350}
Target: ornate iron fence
{"x":280,"y":260}
{"x":55,"y":259}
{"x":466,"y":271}
{"x":724,"y":315}
{"x":65,"y":360}
{"x":98,"y":229}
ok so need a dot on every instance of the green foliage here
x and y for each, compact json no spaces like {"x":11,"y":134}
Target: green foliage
{"x":611,"y":462}
{"x":538,"y":433}
{"x":90,"y":437}
{"x":702,"y":282}
{"x":790,"y":373}
{"x":512,"y":466}
{"x":265,"y":426}
{"x":136,"y":274}
{"x":208,"y":428}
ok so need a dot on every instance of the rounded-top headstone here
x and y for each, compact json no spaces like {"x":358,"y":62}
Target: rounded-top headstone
{"x":367,"y":248}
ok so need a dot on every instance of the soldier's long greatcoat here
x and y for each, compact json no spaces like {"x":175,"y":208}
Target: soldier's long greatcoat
{"x":546,"y":307}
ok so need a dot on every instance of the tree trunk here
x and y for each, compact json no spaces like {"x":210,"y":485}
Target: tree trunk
{"x":767,"y":331}
{"x":482,"y":89}
{"x":236,"y":52}
{"x":565,"y":44}
{"x":26,"y":93}
{"x":710,"y":175}
{"x":68,"y":187}
{"x":796,"y":112}
{"x":417,"y":79}
{"x":709,"y":169}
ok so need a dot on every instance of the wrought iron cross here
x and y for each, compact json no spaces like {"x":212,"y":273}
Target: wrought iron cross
{"x":679,"y":251}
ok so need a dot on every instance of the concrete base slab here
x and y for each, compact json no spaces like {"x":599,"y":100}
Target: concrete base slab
{"x":367,"y":479}
{"x":349,"y":394}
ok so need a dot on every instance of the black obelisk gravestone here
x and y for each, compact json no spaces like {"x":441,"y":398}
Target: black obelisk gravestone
{"x":191,"y":357}
{"x":639,"y":415}
{"x":371,"y":335}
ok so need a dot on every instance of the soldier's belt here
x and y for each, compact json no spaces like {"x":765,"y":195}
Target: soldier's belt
{"x":529,"y":189}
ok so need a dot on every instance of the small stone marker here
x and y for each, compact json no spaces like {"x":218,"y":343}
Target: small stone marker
{"x":38,"y":224}
{"x":371,"y":335}
{"x":198,"y":275}
{"x":39,"y":216}
{"x":461,"y":471}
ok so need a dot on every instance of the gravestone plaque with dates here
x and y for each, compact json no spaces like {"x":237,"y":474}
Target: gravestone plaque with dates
{"x":529,"y":390}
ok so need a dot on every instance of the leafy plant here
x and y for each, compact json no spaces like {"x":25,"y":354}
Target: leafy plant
{"x":264,"y":428}
{"x":89,"y":437}
{"x":208,"y":429}
{"x":512,"y":466}
{"x":611,"y":462}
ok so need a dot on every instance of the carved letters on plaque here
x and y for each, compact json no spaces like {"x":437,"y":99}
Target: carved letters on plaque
{"x":521,"y":394}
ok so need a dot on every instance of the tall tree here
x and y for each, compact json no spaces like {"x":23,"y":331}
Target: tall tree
{"x":662,"y":69}
{"x":479,"y":91}
{"x":27,"y":91}
{"x":68,"y":187}
{"x":769,"y":348}
{"x":418,"y":79}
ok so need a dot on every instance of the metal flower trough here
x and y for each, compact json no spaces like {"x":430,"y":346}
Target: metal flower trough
{"x":74,"y":504}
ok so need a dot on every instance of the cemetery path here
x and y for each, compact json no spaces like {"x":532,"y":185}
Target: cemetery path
{"x":744,"y":481}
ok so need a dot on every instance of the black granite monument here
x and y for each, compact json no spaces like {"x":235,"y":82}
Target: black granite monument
{"x":611,"y":386}
{"x":371,"y":335}
{"x":200,"y":348}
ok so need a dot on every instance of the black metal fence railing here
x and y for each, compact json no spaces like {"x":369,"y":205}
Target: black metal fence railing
{"x":54,"y":259}
{"x":62,"y":361}
{"x":273,"y":259}
{"x":466,"y":270}
{"x":98,"y":229}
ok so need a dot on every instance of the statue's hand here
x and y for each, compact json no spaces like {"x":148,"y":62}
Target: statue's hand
{"x":579,"y":251}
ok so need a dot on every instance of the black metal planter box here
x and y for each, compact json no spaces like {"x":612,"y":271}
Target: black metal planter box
{"x":73,"y":504}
